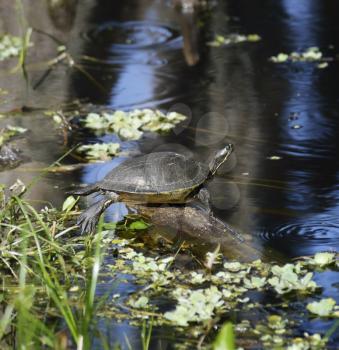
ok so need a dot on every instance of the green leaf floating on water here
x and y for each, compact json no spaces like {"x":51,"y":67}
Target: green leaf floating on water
{"x":324,"y":307}
{"x":225,"y":338}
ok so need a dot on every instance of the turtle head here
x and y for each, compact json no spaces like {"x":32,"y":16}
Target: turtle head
{"x":219,"y":158}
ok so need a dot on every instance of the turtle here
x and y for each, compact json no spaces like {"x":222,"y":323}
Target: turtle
{"x":154,"y":178}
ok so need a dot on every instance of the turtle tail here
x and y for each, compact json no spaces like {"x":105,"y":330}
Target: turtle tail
{"x":84,"y":191}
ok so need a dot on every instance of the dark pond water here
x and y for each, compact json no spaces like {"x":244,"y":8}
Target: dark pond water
{"x":233,"y":94}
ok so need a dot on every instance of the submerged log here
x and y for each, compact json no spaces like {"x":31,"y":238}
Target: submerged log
{"x":200,"y":229}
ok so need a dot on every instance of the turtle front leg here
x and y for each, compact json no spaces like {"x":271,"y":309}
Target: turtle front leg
{"x":203,"y":196}
{"x":89,"y":218}
{"x":84,"y":191}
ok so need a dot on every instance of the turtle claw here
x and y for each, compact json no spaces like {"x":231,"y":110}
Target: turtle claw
{"x":87,"y":223}
{"x":90,"y":217}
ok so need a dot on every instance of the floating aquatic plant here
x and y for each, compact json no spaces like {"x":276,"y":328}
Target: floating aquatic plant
{"x":194,"y":305}
{"x":274,"y":157}
{"x":100,"y":151}
{"x":131,"y":125}
{"x":308,"y":342}
{"x":271,"y":330}
{"x":10,"y":46}
{"x":311,"y":54}
{"x":142,"y":264}
{"x":322,"y":65}
{"x":275,"y":333}
{"x":255,"y":282}
{"x":197,"y":278}
{"x":155,"y":269}
{"x":233,"y":38}
{"x":321,"y":259}
{"x":324,"y":308}
{"x":291,"y":277}
{"x":235,"y":266}
{"x":140,"y":303}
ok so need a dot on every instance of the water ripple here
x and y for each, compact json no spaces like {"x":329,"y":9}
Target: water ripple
{"x":131,"y":35}
{"x":318,"y":230}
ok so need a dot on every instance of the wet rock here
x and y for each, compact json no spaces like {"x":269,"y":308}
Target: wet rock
{"x":9,"y":157}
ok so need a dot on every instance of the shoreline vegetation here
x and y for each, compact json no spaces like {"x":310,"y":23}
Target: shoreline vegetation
{"x":50,"y":275}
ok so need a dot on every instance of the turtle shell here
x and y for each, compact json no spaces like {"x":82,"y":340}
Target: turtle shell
{"x":155,"y":173}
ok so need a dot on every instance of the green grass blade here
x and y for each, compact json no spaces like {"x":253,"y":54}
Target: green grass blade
{"x":225,"y":338}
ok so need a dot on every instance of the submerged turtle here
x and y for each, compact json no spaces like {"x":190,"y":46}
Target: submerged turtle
{"x":160,"y":177}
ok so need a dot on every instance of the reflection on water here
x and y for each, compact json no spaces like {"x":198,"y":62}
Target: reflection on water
{"x":234,"y":94}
